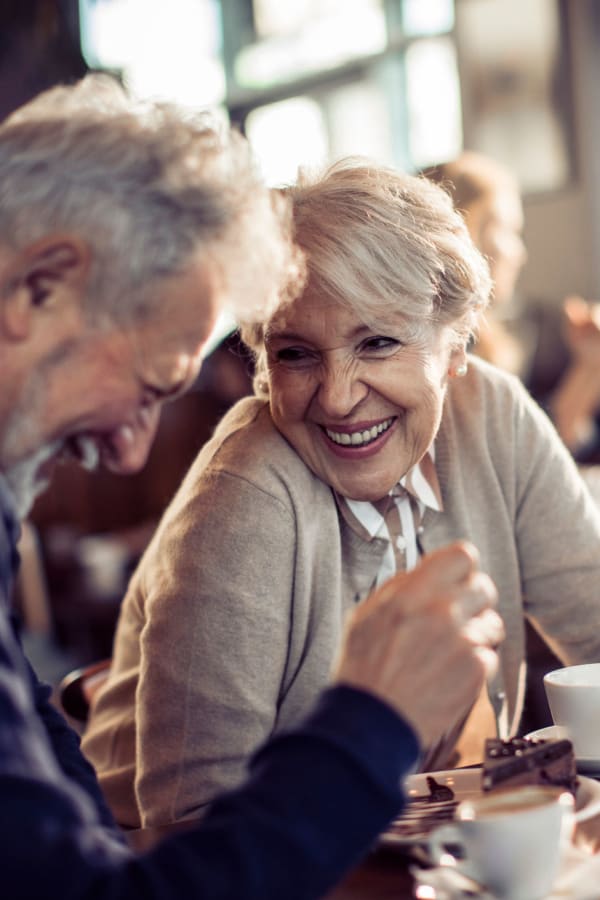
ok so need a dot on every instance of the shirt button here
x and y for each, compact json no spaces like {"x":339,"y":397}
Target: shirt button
{"x":420,"y":529}
{"x":401,"y":542}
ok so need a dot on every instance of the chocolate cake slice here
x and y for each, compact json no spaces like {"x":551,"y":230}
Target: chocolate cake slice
{"x":520,"y":761}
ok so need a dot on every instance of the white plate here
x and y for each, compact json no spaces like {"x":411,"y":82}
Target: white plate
{"x":584,"y":764}
{"x":464,"y":783}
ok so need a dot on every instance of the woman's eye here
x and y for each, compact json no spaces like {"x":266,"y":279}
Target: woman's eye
{"x":295,"y":356}
{"x":380,"y":344}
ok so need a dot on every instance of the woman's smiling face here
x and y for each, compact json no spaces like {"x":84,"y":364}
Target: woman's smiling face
{"x":359,"y":405}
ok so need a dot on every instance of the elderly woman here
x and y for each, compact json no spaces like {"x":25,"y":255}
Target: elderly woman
{"x":372,"y":440}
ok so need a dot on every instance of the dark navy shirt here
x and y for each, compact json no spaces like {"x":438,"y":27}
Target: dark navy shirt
{"x":313,"y":802}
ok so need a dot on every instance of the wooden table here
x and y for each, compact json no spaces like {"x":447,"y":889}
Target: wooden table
{"x":383,"y":875}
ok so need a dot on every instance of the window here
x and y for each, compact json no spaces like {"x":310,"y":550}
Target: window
{"x":312,"y":80}
{"x":170,"y":50}
{"x":319,"y":79}
{"x":307,"y":81}
{"x":516,"y":86}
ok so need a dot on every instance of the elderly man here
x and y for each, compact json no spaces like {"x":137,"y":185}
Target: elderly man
{"x":123,"y":231}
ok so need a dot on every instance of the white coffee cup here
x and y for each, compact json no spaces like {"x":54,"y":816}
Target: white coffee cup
{"x":511,"y":841}
{"x":574,"y":699}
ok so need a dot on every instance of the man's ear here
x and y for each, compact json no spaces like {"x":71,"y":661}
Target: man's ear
{"x":42,"y":278}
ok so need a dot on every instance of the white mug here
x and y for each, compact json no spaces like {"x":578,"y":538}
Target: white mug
{"x":510,"y":841}
{"x":573,"y":694}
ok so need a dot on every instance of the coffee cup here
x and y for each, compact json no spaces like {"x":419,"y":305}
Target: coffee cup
{"x":510,"y":841}
{"x":573,"y":694}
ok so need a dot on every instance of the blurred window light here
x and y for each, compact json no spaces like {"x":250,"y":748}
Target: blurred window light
{"x":164,"y":50}
{"x":427,"y":17}
{"x":317,"y":36}
{"x":285,"y":136}
{"x":274,"y":17}
{"x":433,"y":99}
{"x":348,"y":120}
{"x":359,"y":121}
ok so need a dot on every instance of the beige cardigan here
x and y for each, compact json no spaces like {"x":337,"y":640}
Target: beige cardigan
{"x":230,"y":624}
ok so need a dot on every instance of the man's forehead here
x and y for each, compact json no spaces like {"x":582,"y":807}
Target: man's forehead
{"x":224,"y":326}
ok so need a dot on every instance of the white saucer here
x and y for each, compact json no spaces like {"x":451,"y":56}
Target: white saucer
{"x":412,"y":826}
{"x":585,"y":765}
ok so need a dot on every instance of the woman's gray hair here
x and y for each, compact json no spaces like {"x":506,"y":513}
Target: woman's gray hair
{"x":387,"y":245}
{"x":146,"y":185}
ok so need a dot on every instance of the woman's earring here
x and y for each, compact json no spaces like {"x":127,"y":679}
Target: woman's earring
{"x":461,"y":370}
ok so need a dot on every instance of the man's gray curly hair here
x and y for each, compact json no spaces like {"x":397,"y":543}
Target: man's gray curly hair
{"x":145,"y":184}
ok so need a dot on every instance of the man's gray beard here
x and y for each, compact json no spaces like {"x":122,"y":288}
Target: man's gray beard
{"x":24,"y":480}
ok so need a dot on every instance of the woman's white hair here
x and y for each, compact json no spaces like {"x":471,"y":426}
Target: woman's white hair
{"x":387,"y":245}
{"x":146,"y":184}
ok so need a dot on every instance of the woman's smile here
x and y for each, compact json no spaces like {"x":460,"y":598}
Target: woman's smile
{"x":359,"y":440}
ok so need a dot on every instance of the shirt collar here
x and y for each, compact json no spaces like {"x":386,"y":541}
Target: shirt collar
{"x":420,"y":482}
{"x":9,"y":535}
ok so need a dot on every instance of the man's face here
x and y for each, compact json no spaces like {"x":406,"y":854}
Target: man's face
{"x":97,"y":396}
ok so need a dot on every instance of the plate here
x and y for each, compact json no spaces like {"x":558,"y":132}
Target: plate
{"x":584,"y":764}
{"x":422,"y":815}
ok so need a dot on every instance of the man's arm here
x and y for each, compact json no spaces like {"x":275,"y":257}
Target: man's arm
{"x":313,"y":803}
{"x":65,"y":745}
{"x":315,"y":799}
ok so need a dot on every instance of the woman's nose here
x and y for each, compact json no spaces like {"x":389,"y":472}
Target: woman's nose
{"x":340,"y":390}
{"x":126,"y":449}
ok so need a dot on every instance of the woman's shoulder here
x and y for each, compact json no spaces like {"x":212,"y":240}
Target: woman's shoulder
{"x":493,"y":404}
{"x":247,"y":444}
{"x":247,"y":431}
{"x":485,"y":387}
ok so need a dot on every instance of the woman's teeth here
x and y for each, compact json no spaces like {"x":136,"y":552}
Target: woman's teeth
{"x":358,"y":438}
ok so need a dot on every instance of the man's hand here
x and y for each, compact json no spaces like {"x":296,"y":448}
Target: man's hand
{"x":423,"y":641}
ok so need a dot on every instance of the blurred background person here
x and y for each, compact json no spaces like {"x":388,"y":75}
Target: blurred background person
{"x":488,"y":196}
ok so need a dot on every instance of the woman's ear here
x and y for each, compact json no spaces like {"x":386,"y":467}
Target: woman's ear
{"x":42,"y":278}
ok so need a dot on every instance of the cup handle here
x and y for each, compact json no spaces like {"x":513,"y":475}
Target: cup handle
{"x":443,"y":841}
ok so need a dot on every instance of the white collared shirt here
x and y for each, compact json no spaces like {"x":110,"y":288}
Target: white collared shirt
{"x":416,"y":491}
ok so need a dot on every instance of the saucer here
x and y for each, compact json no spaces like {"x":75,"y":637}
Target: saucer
{"x":410,"y":830}
{"x":585,"y":765}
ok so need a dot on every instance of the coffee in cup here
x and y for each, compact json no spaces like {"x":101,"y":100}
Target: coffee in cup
{"x":573,"y":694}
{"x":510,"y":841}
